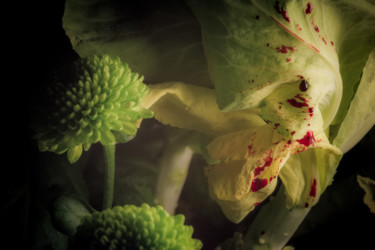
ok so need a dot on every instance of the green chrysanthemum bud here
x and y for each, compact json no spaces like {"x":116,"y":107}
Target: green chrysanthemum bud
{"x":99,"y":102}
{"x":135,"y":228}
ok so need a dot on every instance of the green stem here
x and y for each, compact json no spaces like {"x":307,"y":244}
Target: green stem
{"x":109,"y":181}
{"x":173,"y":167}
{"x":274,"y":225}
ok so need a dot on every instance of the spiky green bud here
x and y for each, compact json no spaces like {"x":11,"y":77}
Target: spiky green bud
{"x":135,"y":228}
{"x":99,"y":101}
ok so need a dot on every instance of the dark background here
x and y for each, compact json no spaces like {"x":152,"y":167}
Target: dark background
{"x":340,"y":220}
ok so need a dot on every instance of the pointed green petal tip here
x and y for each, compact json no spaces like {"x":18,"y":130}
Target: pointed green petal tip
{"x":74,"y":154}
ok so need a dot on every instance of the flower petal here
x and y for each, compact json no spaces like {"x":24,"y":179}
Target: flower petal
{"x":193,"y":107}
{"x":251,"y":162}
{"x":74,"y":153}
{"x":297,"y":115}
{"x":307,"y":174}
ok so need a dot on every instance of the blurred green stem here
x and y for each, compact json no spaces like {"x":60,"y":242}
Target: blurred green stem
{"x":173,"y":170}
{"x":274,"y":225}
{"x":109,"y":181}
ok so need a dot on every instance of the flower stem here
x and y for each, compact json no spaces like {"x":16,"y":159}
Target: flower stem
{"x":109,"y":181}
{"x":274,"y":225}
{"x":173,"y":170}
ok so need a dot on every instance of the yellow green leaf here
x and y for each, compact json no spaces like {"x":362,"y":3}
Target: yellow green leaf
{"x":368,"y":185}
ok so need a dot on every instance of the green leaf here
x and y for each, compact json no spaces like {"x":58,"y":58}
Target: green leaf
{"x":42,"y":233}
{"x":368,"y":185}
{"x":67,"y":213}
{"x":253,"y":47}
{"x":298,"y":63}
{"x":360,"y":117}
{"x":160,"y":40}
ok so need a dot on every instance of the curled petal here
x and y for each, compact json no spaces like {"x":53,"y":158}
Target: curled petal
{"x":307,"y":174}
{"x":193,"y":107}
{"x":251,"y":160}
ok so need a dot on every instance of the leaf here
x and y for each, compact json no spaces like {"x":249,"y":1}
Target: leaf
{"x":360,"y":117}
{"x":67,"y":213}
{"x":368,"y":186}
{"x":253,"y":47}
{"x":160,"y":40}
{"x":298,"y":62}
{"x":43,"y":235}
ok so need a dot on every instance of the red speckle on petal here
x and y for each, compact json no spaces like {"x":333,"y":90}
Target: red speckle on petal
{"x":324,"y":40}
{"x":311,"y":111}
{"x":250,"y":150}
{"x":313,"y":189}
{"x":285,"y":49}
{"x":309,"y":9}
{"x":316,"y":28}
{"x":296,"y":103}
{"x":332,"y":43}
{"x":308,"y":139}
{"x":258,"y":184}
{"x":293,"y":132}
{"x":301,"y":98}
{"x":306,"y":205}
{"x":267,"y":162}
{"x":288,"y":59}
{"x":256,"y":204}
{"x":281,"y":11}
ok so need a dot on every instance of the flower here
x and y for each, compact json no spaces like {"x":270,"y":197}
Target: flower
{"x":250,"y":148}
{"x":132,"y":227}
{"x":100,"y":102}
